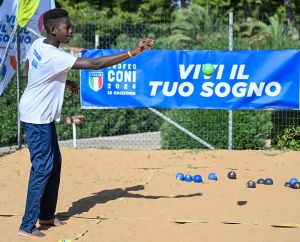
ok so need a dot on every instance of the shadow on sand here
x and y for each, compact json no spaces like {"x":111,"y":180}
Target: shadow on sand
{"x":85,"y":204}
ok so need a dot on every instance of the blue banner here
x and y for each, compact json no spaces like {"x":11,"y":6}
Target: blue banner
{"x":174,"y":79}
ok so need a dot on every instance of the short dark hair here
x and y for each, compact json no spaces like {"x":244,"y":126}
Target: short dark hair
{"x":53,"y":16}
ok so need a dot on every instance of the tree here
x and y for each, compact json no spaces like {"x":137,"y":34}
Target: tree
{"x":289,"y":10}
{"x":291,"y":19}
{"x":276,"y":33}
{"x":247,"y":11}
{"x":194,"y":25}
{"x":184,"y":3}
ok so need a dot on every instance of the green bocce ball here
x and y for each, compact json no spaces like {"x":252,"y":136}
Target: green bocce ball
{"x":208,"y":69}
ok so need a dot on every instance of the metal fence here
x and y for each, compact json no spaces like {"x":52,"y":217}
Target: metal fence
{"x":189,"y":127}
{"x":146,"y":129}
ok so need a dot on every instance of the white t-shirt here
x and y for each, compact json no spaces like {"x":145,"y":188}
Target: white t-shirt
{"x":42,"y":100}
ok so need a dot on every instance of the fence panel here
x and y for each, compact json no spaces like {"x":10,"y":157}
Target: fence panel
{"x":141,"y":128}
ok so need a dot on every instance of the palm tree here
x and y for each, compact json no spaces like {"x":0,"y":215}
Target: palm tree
{"x":195,"y":24}
{"x":276,"y":33}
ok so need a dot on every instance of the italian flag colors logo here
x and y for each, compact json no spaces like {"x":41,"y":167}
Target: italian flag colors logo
{"x":96,"y":80}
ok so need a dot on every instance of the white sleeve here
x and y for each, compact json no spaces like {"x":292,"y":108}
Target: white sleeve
{"x":63,"y":61}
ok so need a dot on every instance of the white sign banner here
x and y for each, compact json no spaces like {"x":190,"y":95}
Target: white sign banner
{"x":8,"y":20}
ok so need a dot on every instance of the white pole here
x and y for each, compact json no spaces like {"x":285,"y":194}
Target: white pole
{"x":230,"y":31}
{"x":34,"y":32}
{"x":19,"y":85}
{"x":96,"y":41}
{"x":230,"y":116}
{"x":74,"y":135}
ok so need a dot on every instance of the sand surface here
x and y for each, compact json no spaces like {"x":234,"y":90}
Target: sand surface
{"x":111,"y":195}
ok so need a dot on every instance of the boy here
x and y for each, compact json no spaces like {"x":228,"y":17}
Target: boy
{"x":41,"y":105}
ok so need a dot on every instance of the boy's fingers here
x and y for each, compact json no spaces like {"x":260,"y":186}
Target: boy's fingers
{"x":145,"y":44}
{"x":147,"y":41}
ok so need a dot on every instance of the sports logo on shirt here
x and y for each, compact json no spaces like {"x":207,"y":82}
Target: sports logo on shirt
{"x":96,"y":80}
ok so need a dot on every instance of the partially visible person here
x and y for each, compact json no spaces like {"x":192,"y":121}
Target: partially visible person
{"x":40,"y":107}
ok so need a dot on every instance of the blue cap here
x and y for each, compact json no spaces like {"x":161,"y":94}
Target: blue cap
{"x":180,"y":176}
{"x":198,"y":179}
{"x":188,"y":178}
{"x":212,"y":176}
{"x":293,"y":180}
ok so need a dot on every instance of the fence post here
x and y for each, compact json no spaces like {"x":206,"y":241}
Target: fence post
{"x":230,"y":116}
{"x":74,"y":135}
{"x":96,"y":41}
{"x":19,"y":85}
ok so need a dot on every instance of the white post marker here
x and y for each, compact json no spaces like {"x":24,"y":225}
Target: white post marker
{"x":74,"y":121}
{"x":74,"y":134}
{"x":96,"y":41}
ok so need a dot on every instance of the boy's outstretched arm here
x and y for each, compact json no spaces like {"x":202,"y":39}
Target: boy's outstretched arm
{"x":110,"y":60}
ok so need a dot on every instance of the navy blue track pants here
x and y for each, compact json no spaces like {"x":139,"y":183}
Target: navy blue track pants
{"x":44,"y":177}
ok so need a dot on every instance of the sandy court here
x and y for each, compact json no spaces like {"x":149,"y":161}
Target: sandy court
{"x":117,"y":195}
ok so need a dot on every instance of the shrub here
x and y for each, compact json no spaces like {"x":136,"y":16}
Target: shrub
{"x":250,"y":129}
{"x":281,"y":120}
{"x":9,"y":115}
{"x":104,"y":122}
{"x":290,"y":139}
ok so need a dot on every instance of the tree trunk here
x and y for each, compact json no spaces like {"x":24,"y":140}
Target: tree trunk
{"x":183,"y":3}
{"x":291,"y":19}
{"x":247,"y":11}
{"x":289,"y":11}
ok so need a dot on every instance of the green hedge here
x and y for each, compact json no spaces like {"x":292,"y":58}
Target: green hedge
{"x":104,"y":122}
{"x":290,"y":139}
{"x":283,"y":120}
{"x":251,"y":129}
{"x":9,"y":115}
{"x":100,"y":122}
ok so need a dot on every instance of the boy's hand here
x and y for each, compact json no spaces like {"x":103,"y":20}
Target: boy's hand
{"x":143,"y":44}
{"x":72,"y":86}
